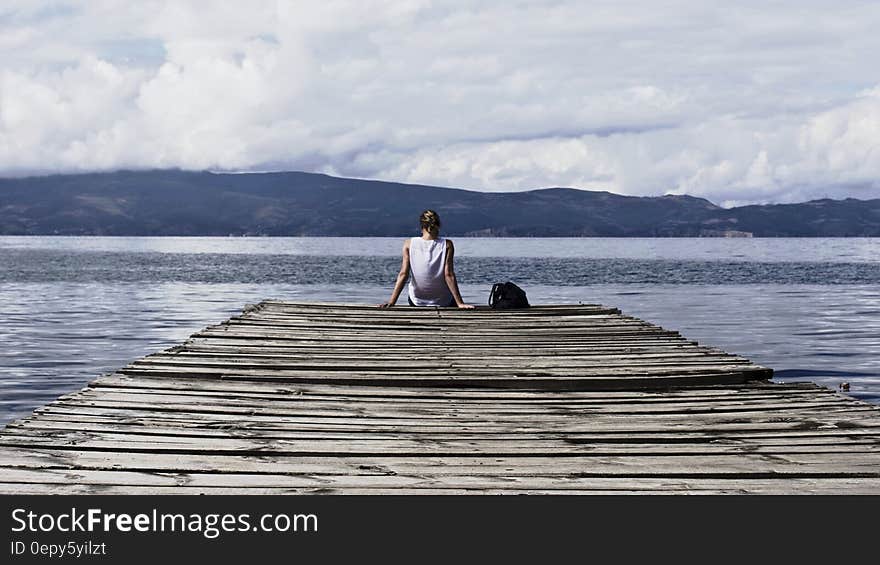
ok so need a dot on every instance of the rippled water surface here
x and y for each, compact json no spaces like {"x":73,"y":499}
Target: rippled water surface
{"x":73,"y":308}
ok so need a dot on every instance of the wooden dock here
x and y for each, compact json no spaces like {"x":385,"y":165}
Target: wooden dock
{"x":324,"y":398}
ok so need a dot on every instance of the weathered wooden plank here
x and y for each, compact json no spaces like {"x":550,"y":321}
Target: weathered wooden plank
{"x":367,"y":345}
{"x":379,"y":408}
{"x":371,"y":335}
{"x":346,"y":307}
{"x":238,"y":481}
{"x":860,"y":461}
{"x":420,"y":315}
{"x":354,"y":391}
{"x":694,"y":416}
{"x":541,"y":404}
{"x":575,"y":358}
{"x":447,"y":372}
{"x":426,"y":363}
{"x":795,"y":433}
{"x":844,"y":421}
{"x":420,"y":353}
{"x":432,"y":397}
{"x":533,"y":328}
{"x":767,"y":446}
{"x":628,"y":486}
{"x":551,"y":382}
{"x":473,"y":396}
{"x":273,"y":464}
{"x":582,"y":327}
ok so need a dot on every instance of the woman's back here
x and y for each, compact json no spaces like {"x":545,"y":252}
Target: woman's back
{"x":427,"y":259}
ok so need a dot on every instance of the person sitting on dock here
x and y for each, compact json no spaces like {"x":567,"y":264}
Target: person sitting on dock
{"x":429,"y":259}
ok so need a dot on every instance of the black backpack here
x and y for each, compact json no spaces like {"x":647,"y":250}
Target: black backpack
{"x":507,"y":295}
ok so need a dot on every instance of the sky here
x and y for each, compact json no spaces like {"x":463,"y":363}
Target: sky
{"x":738,"y":102}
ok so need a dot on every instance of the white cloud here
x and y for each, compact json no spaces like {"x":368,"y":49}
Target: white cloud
{"x":748,"y":103}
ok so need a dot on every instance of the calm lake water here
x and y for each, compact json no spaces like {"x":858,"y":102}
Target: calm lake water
{"x":72,"y":308}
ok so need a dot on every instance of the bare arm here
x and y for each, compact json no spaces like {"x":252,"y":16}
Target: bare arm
{"x":449,"y":274}
{"x":402,"y":277}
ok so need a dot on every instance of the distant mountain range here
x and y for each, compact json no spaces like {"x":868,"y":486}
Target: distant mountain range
{"x":170,"y":202}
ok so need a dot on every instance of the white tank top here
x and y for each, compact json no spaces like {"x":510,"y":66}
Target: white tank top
{"x":427,"y":283}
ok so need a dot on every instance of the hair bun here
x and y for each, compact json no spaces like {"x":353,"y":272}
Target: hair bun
{"x":430,"y":220}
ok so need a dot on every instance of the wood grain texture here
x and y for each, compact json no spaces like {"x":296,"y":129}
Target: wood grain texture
{"x":336,"y":398}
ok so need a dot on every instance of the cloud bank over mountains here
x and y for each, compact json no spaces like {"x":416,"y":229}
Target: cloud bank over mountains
{"x":757,"y":102}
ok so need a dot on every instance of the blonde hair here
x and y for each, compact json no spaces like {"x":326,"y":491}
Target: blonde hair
{"x":430,"y":221}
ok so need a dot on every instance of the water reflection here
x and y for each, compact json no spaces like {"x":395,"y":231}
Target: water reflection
{"x":825,"y":250}
{"x":47,"y":265}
